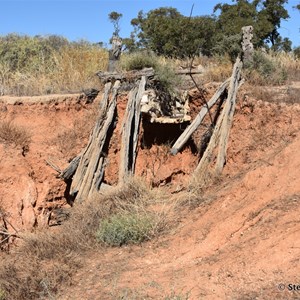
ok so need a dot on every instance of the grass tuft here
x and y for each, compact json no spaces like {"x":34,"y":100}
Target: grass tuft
{"x":123,"y":229}
{"x":13,"y":134}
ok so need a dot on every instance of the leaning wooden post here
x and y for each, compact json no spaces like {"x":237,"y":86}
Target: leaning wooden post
{"x":130,"y":132}
{"x":184,"y":137}
{"x":228,"y":110}
{"x":89,"y":173}
{"x":125,"y":152}
{"x":85,"y":155}
{"x":220,"y":134}
{"x":137,"y":121}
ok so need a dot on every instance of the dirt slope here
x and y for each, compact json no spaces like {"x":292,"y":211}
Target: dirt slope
{"x":242,"y":242}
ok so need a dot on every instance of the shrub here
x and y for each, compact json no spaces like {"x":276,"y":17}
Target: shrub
{"x":122,"y":229}
{"x":296,"y":52}
{"x":265,"y":69}
{"x":13,"y":134}
{"x":138,"y":61}
{"x":164,"y":69}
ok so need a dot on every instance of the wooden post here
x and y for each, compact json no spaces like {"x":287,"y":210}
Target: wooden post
{"x":247,"y":45}
{"x":114,"y":53}
{"x":184,"y":137}
{"x":125,"y":152}
{"x":90,"y":170}
{"x":137,"y":121}
{"x":130,"y":132}
{"x":221,"y":131}
{"x":229,"y":110}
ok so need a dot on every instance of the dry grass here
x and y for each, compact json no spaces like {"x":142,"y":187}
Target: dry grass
{"x":13,"y":134}
{"x":290,"y":63}
{"x":70,"y":69}
{"x":218,"y":72}
{"x":286,"y":94}
{"x":46,"y":260}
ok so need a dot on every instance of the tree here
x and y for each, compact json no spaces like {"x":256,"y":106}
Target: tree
{"x":264,"y":15}
{"x":166,"y":32}
{"x":274,"y":12}
{"x":115,"y":17}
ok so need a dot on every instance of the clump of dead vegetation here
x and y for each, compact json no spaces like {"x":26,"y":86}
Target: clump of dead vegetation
{"x":46,"y":260}
{"x":13,"y":134}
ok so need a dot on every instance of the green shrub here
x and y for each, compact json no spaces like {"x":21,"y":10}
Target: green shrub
{"x":122,"y":229}
{"x":265,"y":70}
{"x":138,"y":61}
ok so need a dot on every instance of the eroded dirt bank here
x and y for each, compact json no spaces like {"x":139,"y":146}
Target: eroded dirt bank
{"x":58,"y":128}
{"x":240,"y":243}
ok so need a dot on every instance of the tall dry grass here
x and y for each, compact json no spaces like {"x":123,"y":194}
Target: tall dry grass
{"x":44,"y":65}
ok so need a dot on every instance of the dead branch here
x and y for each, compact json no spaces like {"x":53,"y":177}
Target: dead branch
{"x":50,"y":163}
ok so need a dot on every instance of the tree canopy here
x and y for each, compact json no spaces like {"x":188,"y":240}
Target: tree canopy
{"x":264,"y":15}
{"x":115,"y":17}
{"x":167,"y":32}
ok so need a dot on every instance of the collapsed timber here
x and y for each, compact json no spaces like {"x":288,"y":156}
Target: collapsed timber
{"x":86,"y":171}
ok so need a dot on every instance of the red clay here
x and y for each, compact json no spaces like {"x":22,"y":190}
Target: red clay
{"x":240,"y":243}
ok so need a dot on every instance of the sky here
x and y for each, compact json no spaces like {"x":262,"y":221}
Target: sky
{"x":88,"y":19}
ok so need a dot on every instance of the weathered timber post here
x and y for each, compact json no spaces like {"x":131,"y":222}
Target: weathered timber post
{"x":89,"y":173}
{"x":184,"y":137}
{"x":247,"y":45}
{"x":221,"y":131}
{"x":114,"y":53}
{"x":130,"y":132}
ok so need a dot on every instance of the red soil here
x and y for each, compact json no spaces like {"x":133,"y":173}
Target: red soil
{"x":240,"y":243}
